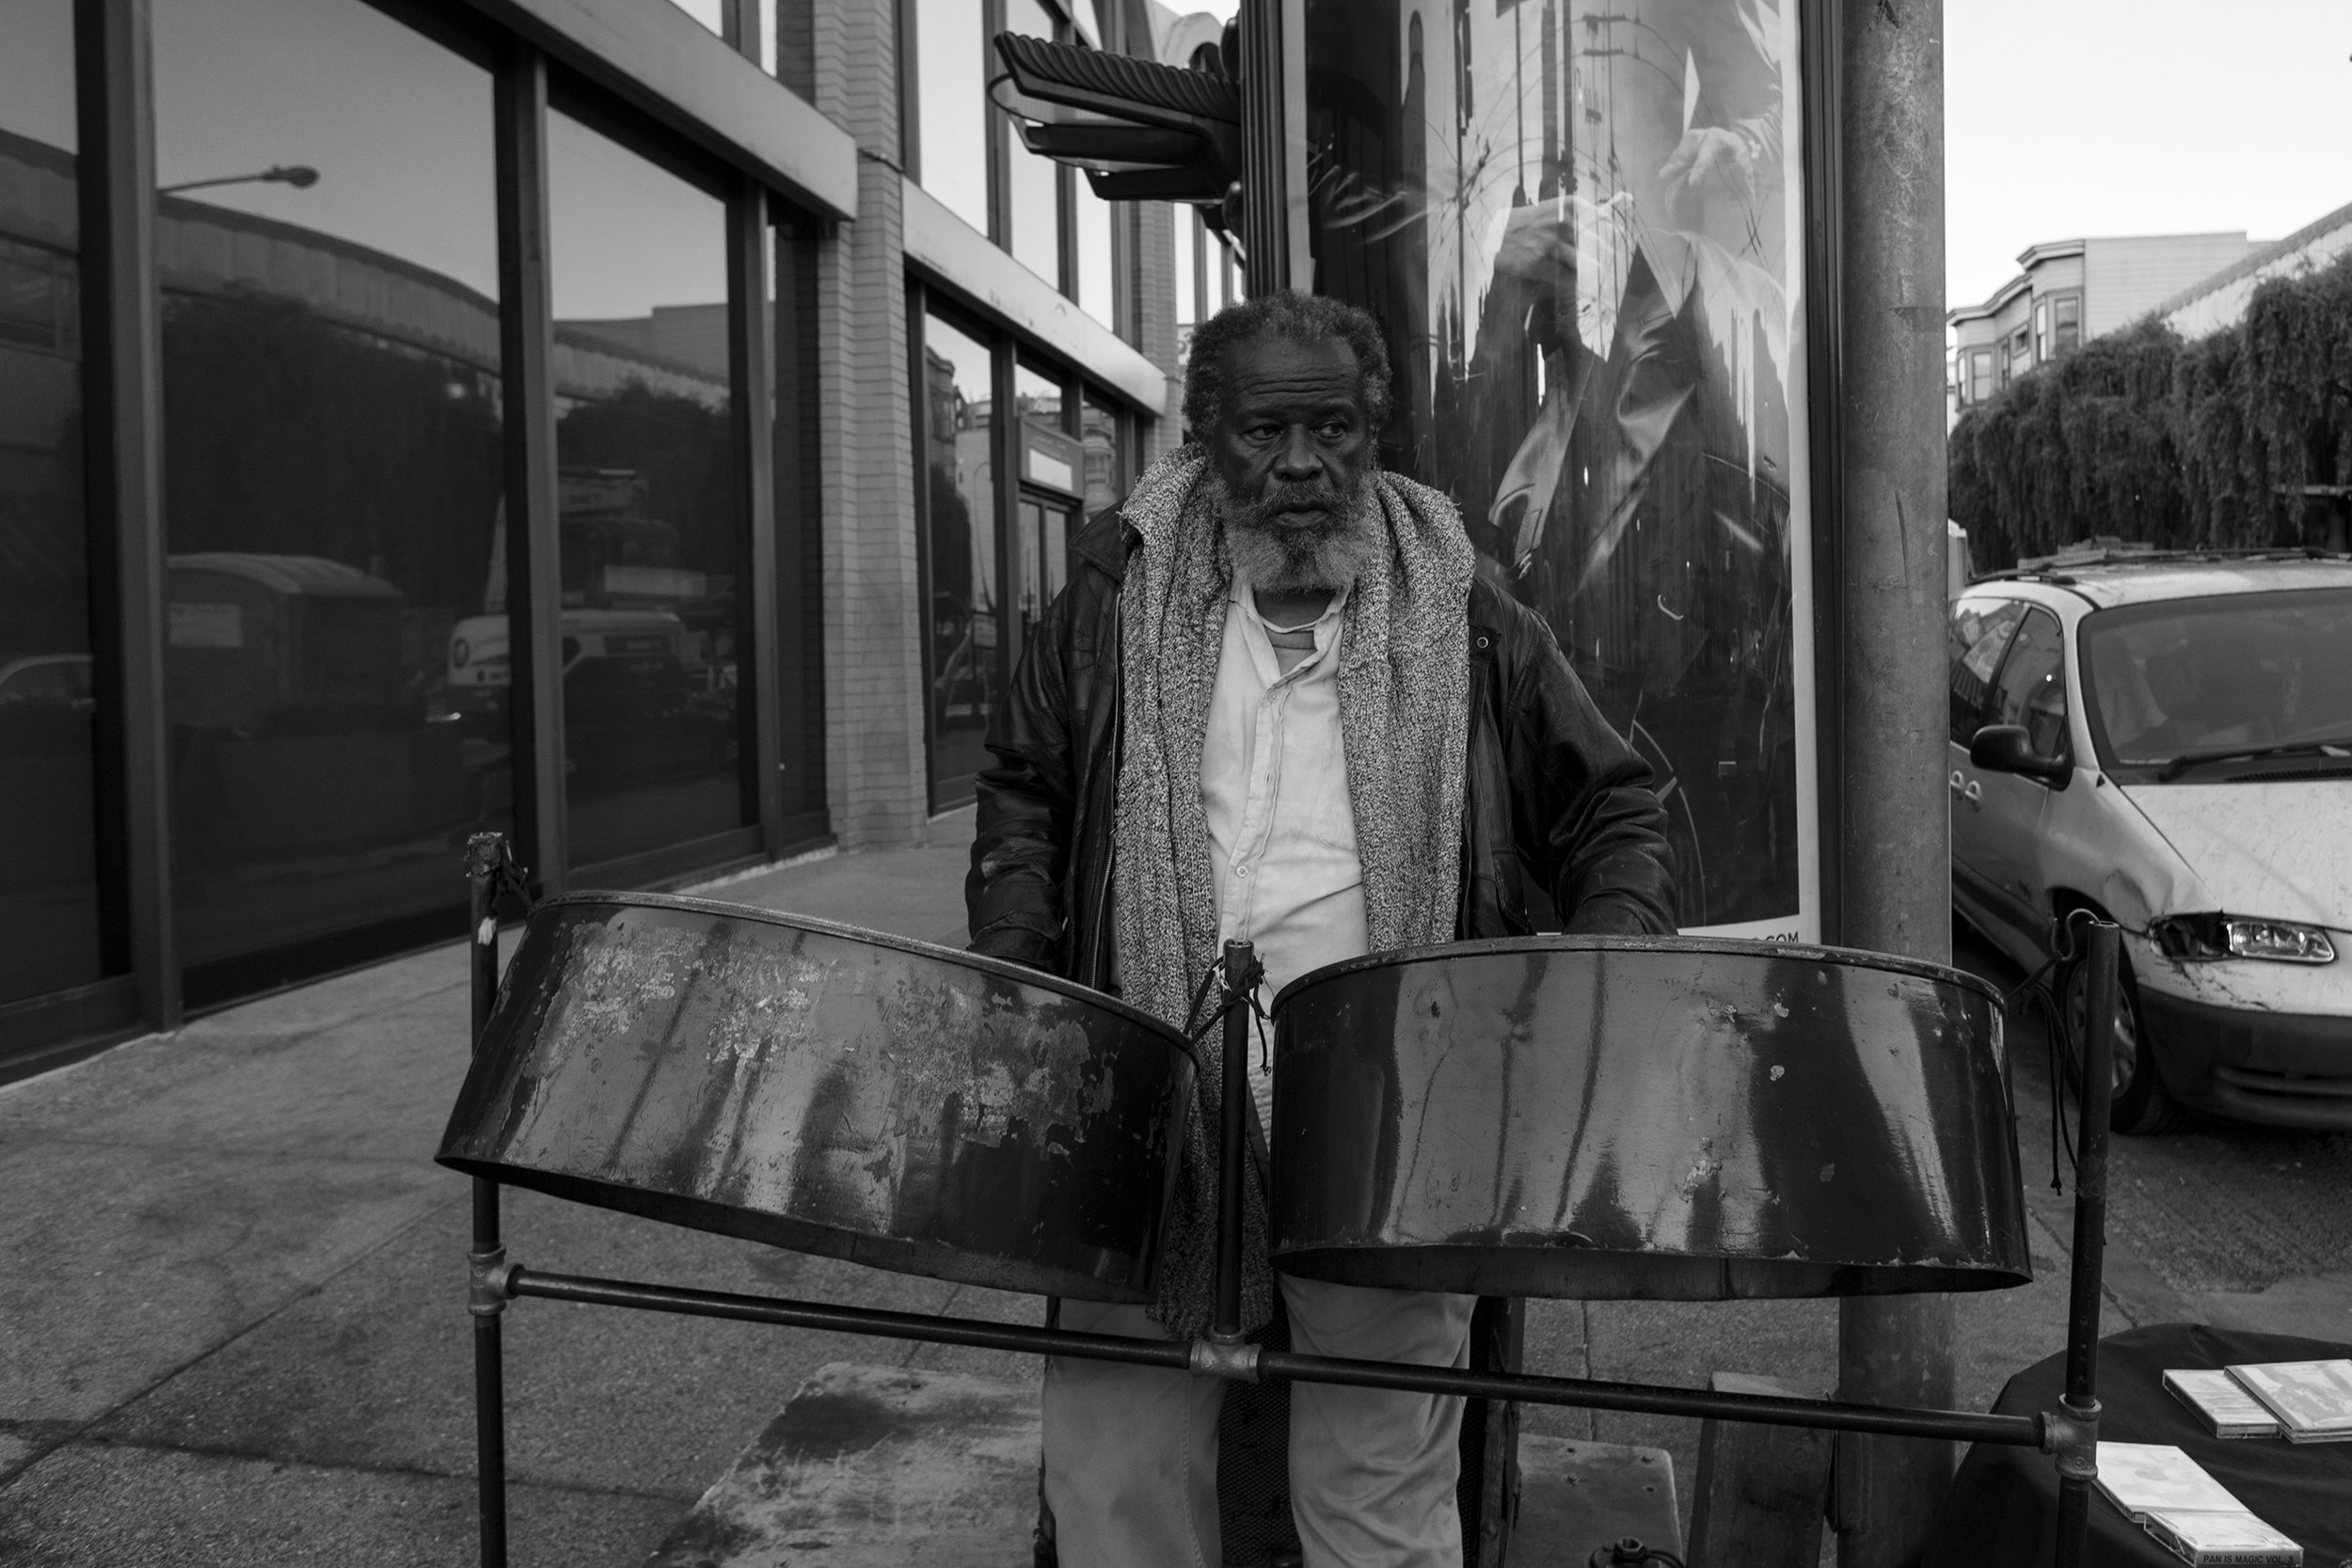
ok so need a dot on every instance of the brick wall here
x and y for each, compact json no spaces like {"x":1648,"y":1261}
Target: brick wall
{"x":873,"y":651}
{"x":874,"y":687}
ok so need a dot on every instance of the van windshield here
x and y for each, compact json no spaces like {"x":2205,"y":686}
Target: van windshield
{"x":2176,"y":686}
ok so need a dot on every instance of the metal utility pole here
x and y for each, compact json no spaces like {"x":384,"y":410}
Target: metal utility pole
{"x":1891,"y":835}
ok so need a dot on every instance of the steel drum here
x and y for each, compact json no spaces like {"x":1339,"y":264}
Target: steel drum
{"x":1628,"y":1118}
{"x":829,"y":1090}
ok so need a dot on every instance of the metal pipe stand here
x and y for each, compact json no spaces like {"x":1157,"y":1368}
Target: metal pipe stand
{"x":2069,"y":1432}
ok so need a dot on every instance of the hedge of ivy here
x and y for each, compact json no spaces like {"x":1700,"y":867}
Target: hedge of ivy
{"x":2143,"y":436}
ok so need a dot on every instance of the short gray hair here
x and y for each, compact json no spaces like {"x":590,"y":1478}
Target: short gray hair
{"x":1301,"y":318}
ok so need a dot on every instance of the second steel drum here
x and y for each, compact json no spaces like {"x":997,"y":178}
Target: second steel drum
{"x":1662,"y":1118}
{"x":829,"y":1090}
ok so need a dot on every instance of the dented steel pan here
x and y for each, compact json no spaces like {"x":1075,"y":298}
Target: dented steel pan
{"x":829,"y":1090}
{"x":1661,"y":1118}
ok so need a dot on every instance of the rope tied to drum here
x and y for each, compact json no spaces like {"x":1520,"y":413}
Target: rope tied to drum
{"x":1239,"y":992}
{"x":2040,"y":992}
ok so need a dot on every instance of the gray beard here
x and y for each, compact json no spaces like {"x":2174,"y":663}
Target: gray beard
{"x":1348,"y":545}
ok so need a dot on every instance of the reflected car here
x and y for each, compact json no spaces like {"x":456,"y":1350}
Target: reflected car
{"x":2166,"y":739}
{"x":60,"y":679}
{"x":640,"y":697}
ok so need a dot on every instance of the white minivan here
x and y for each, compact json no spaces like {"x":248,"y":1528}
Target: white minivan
{"x":2166,"y":738}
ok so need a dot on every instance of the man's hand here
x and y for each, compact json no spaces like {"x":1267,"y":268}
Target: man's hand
{"x":1709,"y":155}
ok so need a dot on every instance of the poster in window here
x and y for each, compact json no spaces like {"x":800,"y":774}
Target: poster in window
{"x":1580,"y":223}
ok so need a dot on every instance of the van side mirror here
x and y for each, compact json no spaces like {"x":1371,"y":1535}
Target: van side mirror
{"x":2003,"y":749}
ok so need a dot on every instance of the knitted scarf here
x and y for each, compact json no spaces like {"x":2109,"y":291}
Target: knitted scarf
{"x":1403,"y":689}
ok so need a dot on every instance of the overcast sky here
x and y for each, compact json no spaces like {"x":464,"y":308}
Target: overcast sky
{"x":2071,"y":118}
{"x":2062,"y":119}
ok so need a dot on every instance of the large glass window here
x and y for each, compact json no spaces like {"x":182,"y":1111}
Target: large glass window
{"x":965,"y":632}
{"x":800,"y":700}
{"x":1033,"y":184}
{"x":1103,"y":431}
{"x":1582,"y":227}
{"x":336,"y":669}
{"x":1091,"y":217}
{"x":1052,"y":468}
{"x":49,"y":905}
{"x":653,"y":526}
{"x":952,"y":120}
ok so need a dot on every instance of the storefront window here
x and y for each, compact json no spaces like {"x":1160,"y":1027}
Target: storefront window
{"x":336,"y":662}
{"x":1580,"y":222}
{"x":1101,"y":429}
{"x":800,"y":699}
{"x":49,"y":889}
{"x":1053,"y":467}
{"x":951,"y":118}
{"x":1033,"y":184}
{"x":965,"y":633}
{"x":653,"y":529}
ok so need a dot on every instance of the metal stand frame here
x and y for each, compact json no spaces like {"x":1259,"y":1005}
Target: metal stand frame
{"x":2069,"y":1432}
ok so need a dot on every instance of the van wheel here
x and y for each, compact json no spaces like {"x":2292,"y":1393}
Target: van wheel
{"x":2140,"y":1103}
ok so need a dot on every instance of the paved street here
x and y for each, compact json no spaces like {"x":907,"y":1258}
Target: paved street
{"x":2246,"y":1226}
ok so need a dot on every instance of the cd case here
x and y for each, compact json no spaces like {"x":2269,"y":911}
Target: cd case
{"x":2221,"y":1540}
{"x":2141,"y":1478}
{"x":2227,"y":1407}
{"x":2313,"y":1399}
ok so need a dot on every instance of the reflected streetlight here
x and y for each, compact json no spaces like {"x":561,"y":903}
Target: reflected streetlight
{"x":300,"y":176}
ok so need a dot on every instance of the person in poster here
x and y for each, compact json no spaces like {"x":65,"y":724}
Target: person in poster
{"x":1572,"y":216}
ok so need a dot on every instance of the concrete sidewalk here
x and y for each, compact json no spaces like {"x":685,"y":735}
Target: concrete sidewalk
{"x":232,"y":1298}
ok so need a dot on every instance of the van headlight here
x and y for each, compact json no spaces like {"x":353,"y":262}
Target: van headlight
{"x":2231,"y":935}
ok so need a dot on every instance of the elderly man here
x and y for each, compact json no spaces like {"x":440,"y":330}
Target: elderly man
{"x":1274,"y":705}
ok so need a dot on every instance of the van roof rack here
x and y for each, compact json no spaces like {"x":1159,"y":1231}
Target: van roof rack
{"x":2056,"y":568}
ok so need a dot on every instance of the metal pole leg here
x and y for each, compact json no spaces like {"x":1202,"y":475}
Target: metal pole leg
{"x":486,"y":866}
{"x":2078,"y":1453}
{"x":1240,"y":980}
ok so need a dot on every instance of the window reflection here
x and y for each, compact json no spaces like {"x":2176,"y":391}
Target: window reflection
{"x":332,"y":478}
{"x":1034,"y":182}
{"x":49,"y":913}
{"x":1052,"y":465}
{"x":952,"y":120}
{"x":651,"y":506}
{"x":959,"y":510}
{"x":799,"y":698}
{"x":1580,"y":222}
{"x":1102,"y":431}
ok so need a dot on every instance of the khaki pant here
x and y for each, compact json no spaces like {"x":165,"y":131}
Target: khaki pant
{"x":1131,"y":1452}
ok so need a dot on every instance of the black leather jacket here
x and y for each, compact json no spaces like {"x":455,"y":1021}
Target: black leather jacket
{"x":1552,"y":791}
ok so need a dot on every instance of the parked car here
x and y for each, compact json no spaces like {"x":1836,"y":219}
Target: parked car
{"x":2166,"y":739}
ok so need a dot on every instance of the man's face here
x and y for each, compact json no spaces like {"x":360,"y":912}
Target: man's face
{"x":1292,"y":444}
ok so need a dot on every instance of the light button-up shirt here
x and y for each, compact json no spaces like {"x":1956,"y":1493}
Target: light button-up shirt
{"x":1274,"y":785}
